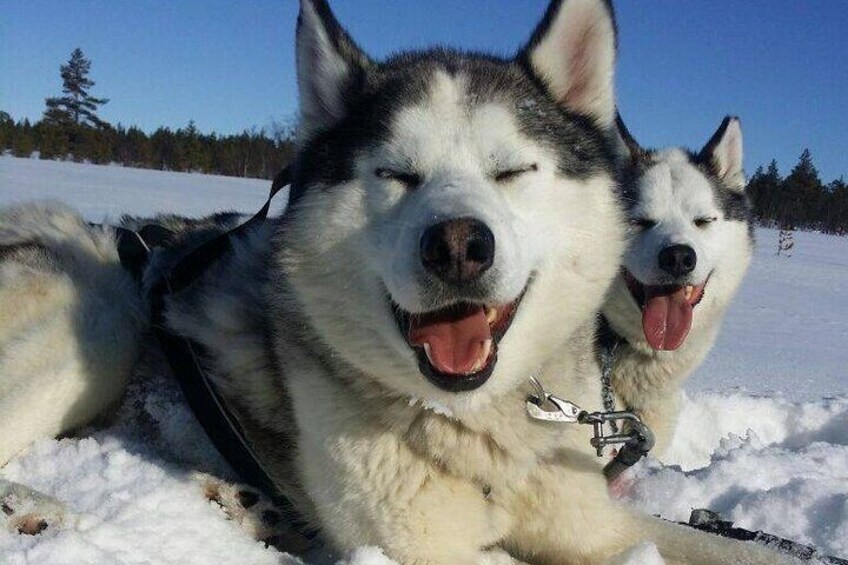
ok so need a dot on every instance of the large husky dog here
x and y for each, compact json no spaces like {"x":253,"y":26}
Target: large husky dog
{"x":452,"y":230}
{"x":691,"y":247}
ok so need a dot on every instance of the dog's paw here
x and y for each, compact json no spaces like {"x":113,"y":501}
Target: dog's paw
{"x":246,"y":506}
{"x":29,"y":512}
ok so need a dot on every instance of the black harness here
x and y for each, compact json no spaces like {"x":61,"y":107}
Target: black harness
{"x":187,"y":358}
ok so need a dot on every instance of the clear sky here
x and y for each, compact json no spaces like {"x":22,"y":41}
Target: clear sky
{"x":781,"y":65}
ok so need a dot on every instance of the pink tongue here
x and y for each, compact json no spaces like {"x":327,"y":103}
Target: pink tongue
{"x":456,"y":337}
{"x":666,"y":318}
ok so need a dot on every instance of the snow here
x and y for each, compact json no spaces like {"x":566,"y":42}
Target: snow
{"x":765,"y":463}
{"x":763,"y":435}
{"x":100,"y":192}
{"x":787,"y":331}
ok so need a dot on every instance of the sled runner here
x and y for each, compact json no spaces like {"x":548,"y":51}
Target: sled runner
{"x":709,"y":521}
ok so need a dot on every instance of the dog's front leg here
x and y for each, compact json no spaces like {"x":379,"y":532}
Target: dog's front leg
{"x":564,"y":515}
{"x":567,"y":517}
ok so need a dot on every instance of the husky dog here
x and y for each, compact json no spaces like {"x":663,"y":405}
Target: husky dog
{"x":692,"y":242}
{"x":452,"y":230}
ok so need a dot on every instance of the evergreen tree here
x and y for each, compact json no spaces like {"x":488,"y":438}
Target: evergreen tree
{"x":24,"y":142}
{"x":764,"y":189}
{"x":7,"y":131}
{"x":803,"y":193}
{"x":836,"y":208}
{"x":53,"y":141}
{"x":77,"y":106}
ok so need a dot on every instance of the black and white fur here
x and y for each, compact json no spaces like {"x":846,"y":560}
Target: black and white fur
{"x":675,"y":197}
{"x":302,"y":319}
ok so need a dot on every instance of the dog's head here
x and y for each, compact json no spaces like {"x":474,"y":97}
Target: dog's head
{"x":691,"y":240}
{"x":453,"y":216}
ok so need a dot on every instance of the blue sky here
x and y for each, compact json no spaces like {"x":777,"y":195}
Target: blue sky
{"x":779,"y":64}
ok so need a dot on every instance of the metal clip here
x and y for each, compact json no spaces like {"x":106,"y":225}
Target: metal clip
{"x":639,"y":435}
{"x":545,"y":406}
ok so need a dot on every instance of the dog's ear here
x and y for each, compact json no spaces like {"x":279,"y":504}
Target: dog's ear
{"x":625,"y":143}
{"x":573,"y":52}
{"x":330,"y":66}
{"x":723,"y":153}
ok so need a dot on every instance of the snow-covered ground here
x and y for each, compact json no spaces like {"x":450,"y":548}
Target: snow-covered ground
{"x":763,"y":437}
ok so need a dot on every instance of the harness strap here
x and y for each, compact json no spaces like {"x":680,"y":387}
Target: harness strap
{"x":195,"y":262}
{"x":187,"y":359}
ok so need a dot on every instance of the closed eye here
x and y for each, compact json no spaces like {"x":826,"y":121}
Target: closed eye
{"x":511,"y":174}
{"x":407,"y":179}
{"x":704,"y":222}
{"x":643,"y":223}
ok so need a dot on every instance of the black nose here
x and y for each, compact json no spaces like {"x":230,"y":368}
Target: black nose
{"x":678,"y":260}
{"x":459,"y":250}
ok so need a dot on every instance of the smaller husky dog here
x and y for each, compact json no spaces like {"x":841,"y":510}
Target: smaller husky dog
{"x":691,"y":246}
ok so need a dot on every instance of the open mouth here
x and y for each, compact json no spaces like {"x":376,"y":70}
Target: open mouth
{"x":457,"y":346}
{"x":667,"y":310}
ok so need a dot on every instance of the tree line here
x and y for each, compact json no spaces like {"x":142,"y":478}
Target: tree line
{"x":800,"y":200}
{"x":252,"y":153}
{"x":71,"y":129}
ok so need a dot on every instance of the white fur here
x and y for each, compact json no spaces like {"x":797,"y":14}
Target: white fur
{"x":674,"y":193}
{"x":70,"y":325}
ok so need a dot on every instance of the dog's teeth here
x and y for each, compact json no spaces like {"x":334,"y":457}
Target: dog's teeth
{"x":427,"y":353}
{"x":487,"y":349}
{"x":484,"y":356}
{"x":491,"y":314}
{"x":688,"y":291}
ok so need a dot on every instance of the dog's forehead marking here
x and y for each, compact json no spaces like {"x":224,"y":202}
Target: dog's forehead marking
{"x":673,"y":185}
{"x":451,"y":126}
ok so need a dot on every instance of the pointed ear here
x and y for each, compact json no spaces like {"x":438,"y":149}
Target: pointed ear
{"x":625,"y":143}
{"x":723,"y":152}
{"x":329,"y":67}
{"x":573,"y":52}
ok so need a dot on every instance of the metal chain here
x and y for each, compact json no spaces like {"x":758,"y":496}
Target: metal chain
{"x":607,"y":394}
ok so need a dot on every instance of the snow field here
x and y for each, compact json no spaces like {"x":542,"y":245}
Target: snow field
{"x":763,"y":435}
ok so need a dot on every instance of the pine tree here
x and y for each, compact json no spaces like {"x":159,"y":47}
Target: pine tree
{"x":804,"y":193}
{"x":764,"y":189}
{"x":24,"y":143}
{"x":53,"y":142}
{"x":836,"y":208}
{"x":77,"y":106}
{"x":7,"y":131}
